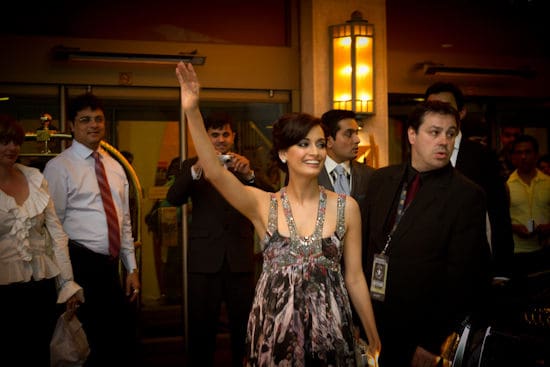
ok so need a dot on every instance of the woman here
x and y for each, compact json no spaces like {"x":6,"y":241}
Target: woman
{"x":301,"y":314}
{"x":33,"y":261}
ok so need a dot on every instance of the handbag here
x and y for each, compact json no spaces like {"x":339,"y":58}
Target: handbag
{"x":69,"y":345}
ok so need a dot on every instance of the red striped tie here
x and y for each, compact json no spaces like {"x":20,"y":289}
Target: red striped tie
{"x":110,"y":211}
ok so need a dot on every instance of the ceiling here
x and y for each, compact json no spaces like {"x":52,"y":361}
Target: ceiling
{"x":493,"y":27}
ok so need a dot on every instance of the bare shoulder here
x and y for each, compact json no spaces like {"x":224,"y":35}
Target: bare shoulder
{"x":262,"y":200}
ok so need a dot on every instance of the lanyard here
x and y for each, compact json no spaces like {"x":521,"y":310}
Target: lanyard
{"x":400,"y":211}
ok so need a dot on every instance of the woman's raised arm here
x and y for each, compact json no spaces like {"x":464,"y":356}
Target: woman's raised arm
{"x":245,"y":199}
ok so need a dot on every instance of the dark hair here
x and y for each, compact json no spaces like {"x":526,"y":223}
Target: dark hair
{"x":288,"y":130}
{"x":11,"y":130}
{"x":544,"y":158}
{"x":83,"y":101}
{"x":441,"y":87}
{"x":524,"y":138}
{"x":416,"y":118}
{"x":332,"y":118}
{"x":218,"y":120}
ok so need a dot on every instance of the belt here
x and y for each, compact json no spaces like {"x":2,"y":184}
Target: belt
{"x":86,"y":251}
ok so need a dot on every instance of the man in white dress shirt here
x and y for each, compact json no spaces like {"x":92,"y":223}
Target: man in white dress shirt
{"x":107,"y":315}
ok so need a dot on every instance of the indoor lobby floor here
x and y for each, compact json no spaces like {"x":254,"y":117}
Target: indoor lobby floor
{"x":170,"y":352}
{"x":162,"y":343}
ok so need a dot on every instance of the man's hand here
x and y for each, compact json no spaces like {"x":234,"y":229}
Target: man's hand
{"x":240,"y":165}
{"x":132,"y":285}
{"x":521,"y":230}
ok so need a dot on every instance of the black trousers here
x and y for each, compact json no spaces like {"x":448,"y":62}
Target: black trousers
{"x":107,"y":316}
{"x":206,"y":293}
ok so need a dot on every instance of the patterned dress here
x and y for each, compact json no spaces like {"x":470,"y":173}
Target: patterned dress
{"x":301,"y":315}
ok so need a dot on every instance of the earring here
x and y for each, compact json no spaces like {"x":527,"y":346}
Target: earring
{"x":283,"y":160}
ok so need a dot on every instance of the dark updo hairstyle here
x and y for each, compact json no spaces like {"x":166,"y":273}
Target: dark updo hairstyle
{"x":288,"y":130}
{"x":11,"y":130}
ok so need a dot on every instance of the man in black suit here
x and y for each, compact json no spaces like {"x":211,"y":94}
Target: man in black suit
{"x":481,"y":165}
{"x":220,"y":251}
{"x":430,"y":256}
{"x":342,"y":148}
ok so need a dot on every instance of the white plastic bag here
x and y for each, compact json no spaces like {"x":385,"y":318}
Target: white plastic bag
{"x":69,"y":346}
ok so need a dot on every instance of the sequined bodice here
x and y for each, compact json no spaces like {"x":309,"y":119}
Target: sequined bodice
{"x":281,"y":251}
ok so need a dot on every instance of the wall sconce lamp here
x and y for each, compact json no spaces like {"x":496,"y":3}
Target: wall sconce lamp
{"x":352,"y":65}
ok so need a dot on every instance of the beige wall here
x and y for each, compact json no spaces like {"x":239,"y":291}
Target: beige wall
{"x":227,"y":66}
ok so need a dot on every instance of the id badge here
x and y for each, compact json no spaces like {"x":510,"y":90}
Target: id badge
{"x":379,"y":277}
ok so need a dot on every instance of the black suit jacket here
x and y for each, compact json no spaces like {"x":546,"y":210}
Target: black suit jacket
{"x":481,"y":165}
{"x":216,"y":229}
{"x":438,"y":258}
{"x":360,"y":175}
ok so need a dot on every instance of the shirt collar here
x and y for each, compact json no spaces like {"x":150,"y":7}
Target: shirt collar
{"x":514,"y":176}
{"x":458,"y":139}
{"x":330,"y":164}
{"x":83,"y":151}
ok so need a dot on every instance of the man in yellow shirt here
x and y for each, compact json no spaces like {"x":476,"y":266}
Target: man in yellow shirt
{"x":529,"y":207}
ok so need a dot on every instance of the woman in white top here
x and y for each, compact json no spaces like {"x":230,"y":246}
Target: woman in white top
{"x":35,"y":268}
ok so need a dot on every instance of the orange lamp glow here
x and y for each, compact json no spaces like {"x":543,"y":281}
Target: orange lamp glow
{"x":351,"y":65}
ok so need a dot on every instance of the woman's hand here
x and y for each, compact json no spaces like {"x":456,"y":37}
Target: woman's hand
{"x":374,"y":348}
{"x":72,"y":305}
{"x":189,"y":85}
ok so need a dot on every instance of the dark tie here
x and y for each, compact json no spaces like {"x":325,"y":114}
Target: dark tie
{"x":108,"y":205}
{"x":341,"y":181}
{"x":412,"y":189}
